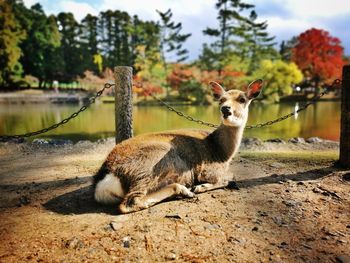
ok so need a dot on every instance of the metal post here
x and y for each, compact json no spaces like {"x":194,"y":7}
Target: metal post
{"x":344,"y":156}
{"x":123,"y":103}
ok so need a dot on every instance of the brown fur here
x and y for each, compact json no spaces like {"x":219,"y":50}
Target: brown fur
{"x":153,"y":167}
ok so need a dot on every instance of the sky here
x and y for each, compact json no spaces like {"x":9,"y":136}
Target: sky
{"x":286,"y":18}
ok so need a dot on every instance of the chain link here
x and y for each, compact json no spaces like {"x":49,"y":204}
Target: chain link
{"x":64,"y":121}
{"x":335,"y":83}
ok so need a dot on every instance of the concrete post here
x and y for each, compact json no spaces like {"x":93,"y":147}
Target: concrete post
{"x":344,"y":156}
{"x":123,"y":103}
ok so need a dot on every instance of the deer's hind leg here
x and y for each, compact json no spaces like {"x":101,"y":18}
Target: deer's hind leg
{"x":136,"y":201}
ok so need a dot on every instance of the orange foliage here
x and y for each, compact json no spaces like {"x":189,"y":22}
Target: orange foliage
{"x":318,"y":55}
{"x":144,"y":88}
{"x":181,"y":74}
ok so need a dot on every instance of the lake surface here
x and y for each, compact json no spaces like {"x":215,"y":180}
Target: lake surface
{"x":321,"y":119}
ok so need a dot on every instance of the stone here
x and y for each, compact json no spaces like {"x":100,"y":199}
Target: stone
{"x":40,"y":142}
{"x":279,"y":221}
{"x":60,"y":142}
{"x":126,"y":242}
{"x":282,"y":245}
{"x":290,"y":203}
{"x":297,"y":140}
{"x":276,"y":140}
{"x":314,"y":140}
{"x":24,"y":200}
{"x":212,"y":227}
{"x":251,"y":142}
{"x":262,"y":213}
{"x":116,"y":225}
{"x":171,"y":256}
{"x":74,"y":243}
{"x":277,"y":165}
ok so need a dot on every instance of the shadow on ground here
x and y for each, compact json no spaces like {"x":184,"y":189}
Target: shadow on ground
{"x":81,"y":201}
{"x":299,"y":176}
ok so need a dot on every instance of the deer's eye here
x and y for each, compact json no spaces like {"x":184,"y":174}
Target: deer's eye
{"x":222,"y":100}
{"x":242,"y":100}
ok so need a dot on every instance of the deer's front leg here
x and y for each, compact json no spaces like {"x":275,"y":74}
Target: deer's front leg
{"x":208,"y":187}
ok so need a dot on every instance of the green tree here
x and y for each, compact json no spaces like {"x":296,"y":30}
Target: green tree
{"x":71,"y":48}
{"x":286,"y":49}
{"x":113,"y":30}
{"x":255,"y":42}
{"x":238,"y":36}
{"x":278,"y":76}
{"x":11,"y":35}
{"x":39,"y":48}
{"x":143,"y":33}
{"x":229,"y":18}
{"x":171,"y":40}
{"x":89,"y":41}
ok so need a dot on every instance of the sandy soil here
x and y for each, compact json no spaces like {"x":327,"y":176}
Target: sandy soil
{"x":292,"y":205}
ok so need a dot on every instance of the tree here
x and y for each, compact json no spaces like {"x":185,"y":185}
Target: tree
{"x":255,"y":43}
{"x":11,"y":35}
{"x":286,"y":48}
{"x":39,"y":48}
{"x":71,"y":49}
{"x":114,"y":32}
{"x":89,"y":40}
{"x":279,"y":77}
{"x":143,"y":33}
{"x":238,"y":36}
{"x":150,"y":71}
{"x":319,"y":56}
{"x":171,"y":41}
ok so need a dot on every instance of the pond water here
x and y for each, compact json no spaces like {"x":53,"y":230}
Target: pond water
{"x":321,"y":119}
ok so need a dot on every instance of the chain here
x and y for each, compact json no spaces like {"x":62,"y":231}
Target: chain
{"x":336,"y":82}
{"x":181,"y":114}
{"x":92,"y":100}
{"x":64,"y":121}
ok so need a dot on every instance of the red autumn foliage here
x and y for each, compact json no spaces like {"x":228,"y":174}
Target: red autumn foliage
{"x":181,"y":75}
{"x":145,"y":88}
{"x":318,"y":55}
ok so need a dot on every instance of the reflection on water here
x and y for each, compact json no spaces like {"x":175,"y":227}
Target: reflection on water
{"x":321,"y":119}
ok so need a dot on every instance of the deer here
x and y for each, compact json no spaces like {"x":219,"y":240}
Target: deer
{"x":149,"y":168}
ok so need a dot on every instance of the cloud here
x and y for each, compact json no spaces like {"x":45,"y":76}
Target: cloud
{"x":147,"y":9}
{"x":318,"y":8}
{"x":286,"y":18}
{"x":80,"y":10}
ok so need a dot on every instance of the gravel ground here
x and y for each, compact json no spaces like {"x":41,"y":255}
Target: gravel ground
{"x":292,"y":205}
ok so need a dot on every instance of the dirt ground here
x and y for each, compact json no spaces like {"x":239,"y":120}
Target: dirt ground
{"x":292,"y":205}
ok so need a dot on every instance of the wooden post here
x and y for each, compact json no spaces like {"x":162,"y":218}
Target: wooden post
{"x":123,"y":103}
{"x":344,"y":156}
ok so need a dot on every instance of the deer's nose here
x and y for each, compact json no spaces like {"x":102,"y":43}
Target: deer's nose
{"x":225,"y":109}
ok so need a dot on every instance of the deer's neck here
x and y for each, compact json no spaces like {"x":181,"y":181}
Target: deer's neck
{"x":224,"y":142}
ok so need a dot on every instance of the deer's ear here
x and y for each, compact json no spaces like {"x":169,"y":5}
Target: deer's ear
{"x":254,"y":89}
{"x":217,"y":89}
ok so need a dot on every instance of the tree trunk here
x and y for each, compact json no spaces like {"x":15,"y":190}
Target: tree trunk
{"x":344,"y":156}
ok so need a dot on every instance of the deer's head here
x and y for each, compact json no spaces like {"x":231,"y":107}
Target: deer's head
{"x":234,"y":103}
